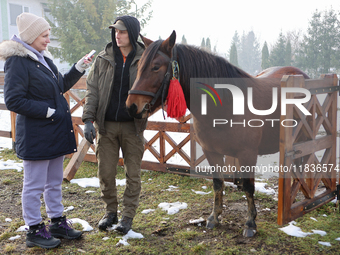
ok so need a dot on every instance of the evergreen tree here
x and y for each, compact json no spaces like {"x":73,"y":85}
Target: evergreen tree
{"x":215,"y":48}
{"x":83,"y":25}
{"x":319,"y":50}
{"x":203,"y":43}
{"x":249,"y":55}
{"x":242,"y":53}
{"x":330,"y":42}
{"x":310,"y":47}
{"x":288,"y":54}
{"x":184,"y":40}
{"x":235,"y":41}
{"x":208,"y":45}
{"x":277,"y":54}
{"x":295,"y":39}
{"x":265,"y":57}
{"x":233,"y":55}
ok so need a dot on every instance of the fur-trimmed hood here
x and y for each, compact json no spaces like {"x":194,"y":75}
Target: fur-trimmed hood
{"x":11,"y":48}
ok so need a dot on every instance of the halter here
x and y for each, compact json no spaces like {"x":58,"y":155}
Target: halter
{"x":172,"y":68}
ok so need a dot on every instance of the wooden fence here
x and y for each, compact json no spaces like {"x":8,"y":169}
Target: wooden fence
{"x":308,"y":150}
{"x":291,"y":149}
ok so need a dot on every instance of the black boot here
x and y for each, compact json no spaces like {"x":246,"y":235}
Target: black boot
{"x":39,"y":235}
{"x":60,"y":227}
{"x":124,"y":224}
{"x":107,"y":220}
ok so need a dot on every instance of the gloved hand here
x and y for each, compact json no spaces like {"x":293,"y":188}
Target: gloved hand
{"x":83,"y":64}
{"x":89,"y":131}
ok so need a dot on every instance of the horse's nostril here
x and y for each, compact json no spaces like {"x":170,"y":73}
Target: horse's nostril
{"x":132,"y":110}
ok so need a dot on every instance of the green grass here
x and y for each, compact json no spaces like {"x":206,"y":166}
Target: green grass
{"x":163,"y":233}
{"x":8,"y":154}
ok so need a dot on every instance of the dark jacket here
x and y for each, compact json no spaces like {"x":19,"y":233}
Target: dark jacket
{"x":116,"y":110}
{"x":30,"y":88}
{"x":100,"y":81}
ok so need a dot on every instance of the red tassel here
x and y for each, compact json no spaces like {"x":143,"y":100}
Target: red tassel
{"x":177,"y":105}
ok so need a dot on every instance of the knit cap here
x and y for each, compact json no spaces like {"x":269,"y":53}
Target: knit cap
{"x":31,"y":26}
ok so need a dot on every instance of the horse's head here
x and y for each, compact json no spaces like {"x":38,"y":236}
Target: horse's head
{"x":153,"y":76}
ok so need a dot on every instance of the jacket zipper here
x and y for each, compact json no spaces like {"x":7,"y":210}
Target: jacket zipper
{"x":120,"y":91}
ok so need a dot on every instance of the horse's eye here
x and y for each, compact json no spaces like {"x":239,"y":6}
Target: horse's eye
{"x":155,"y":68}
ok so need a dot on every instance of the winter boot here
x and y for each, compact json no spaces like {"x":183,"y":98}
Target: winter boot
{"x":124,"y":224}
{"x":39,"y":235}
{"x":108,"y":219}
{"x":60,"y":227}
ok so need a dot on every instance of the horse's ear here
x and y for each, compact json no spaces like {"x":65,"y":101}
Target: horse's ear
{"x":145,"y":40}
{"x":172,"y":39}
{"x":169,"y":43}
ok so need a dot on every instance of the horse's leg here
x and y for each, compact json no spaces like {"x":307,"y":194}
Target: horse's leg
{"x":218,"y":201}
{"x":249,"y":188}
{"x":250,"y":226}
{"x":216,"y":159}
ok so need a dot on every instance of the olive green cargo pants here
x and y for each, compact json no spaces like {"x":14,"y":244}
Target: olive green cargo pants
{"x":120,"y":135}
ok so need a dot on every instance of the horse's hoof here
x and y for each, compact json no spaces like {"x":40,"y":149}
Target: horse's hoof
{"x":249,"y":232}
{"x":211,"y":224}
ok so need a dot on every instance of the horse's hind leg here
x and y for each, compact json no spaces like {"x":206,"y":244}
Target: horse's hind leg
{"x":215,"y":159}
{"x":249,"y":188}
{"x":250,"y":226}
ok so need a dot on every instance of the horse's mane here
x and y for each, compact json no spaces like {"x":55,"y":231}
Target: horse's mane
{"x":197,"y":63}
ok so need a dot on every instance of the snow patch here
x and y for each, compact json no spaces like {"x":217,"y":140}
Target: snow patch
{"x":201,"y":192}
{"x":146,"y":211}
{"x":94,"y":182}
{"x":173,"y":208}
{"x":294,"y":230}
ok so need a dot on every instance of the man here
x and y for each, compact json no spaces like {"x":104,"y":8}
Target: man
{"x":109,"y":80}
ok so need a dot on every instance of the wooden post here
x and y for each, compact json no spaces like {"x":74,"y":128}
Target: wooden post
{"x":76,"y":160}
{"x":286,"y":147}
{"x":13,"y":118}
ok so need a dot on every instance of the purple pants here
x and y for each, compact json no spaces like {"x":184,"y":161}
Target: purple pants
{"x":42,"y":177}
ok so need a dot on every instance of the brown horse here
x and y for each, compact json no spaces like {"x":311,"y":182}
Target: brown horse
{"x":244,"y":143}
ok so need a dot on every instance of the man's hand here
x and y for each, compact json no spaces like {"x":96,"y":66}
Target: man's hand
{"x":89,"y":131}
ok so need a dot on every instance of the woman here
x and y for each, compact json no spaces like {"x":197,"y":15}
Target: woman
{"x":44,"y":133}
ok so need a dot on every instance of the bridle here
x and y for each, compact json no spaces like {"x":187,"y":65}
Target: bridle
{"x":172,"y":69}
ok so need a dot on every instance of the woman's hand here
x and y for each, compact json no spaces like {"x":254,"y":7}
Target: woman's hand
{"x":84,"y":63}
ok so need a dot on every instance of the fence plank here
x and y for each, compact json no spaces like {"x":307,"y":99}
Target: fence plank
{"x":7,"y":134}
{"x":3,"y":107}
{"x":76,"y":160}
